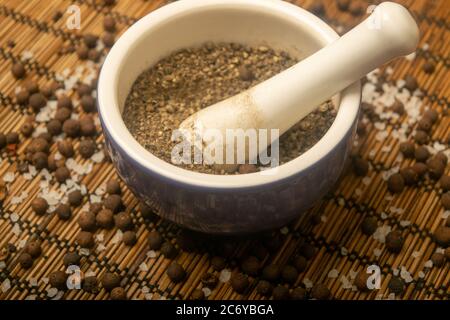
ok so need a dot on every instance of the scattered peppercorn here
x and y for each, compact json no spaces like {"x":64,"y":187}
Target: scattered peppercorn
{"x":87,"y":221}
{"x":110,"y":281}
{"x":123,"y":221}
{"x":369,"y":225}
{"x":129,"y":238}
{"x":289,"y":274}
{"x":442,"y":236}
{"x":62,"y":174}
{"x":411,"y":83}
{"x":54,"y":127}
{"x":435,"y":168}
{"x":421,"y":137}
{"x":409,"y":176}
{"x":25,"y":260}
{"x":63,"y":211}
{"x":105,"y":218}
{"x":360,"y":166}
{"x":75,"y":198}
{"x":298,"y":294}
{"x":155,"y":240}
{"x":65,"y":147}
{"x":271,"y":272}
{"x":407,"y":148}
{"x":280,"y":293}
{"x":168,"y":250}
{"x":428,"y":67}
{"x":320,"y":292}
{"x":109,"y":24}
{"x":218,"y":263}
{"x":176,"y":272}
{"x":18,"y":70}
{"x":87,"y":148}
{"x":90,"y":284}
{"x":108,"y":39}
{"x":197,"y":294}
{"x":396,"y":183}
{"x":85,"y":239}
{"x":27,"y":128}
{"x":396,"y":285}
{"x":22,"y":97}
{"x":445,"y":200}
{"x":113,"y":187}
{"x":39,"y":206}
{"x":58,"y":280}
{"x":239,"y":282}
{"x":432,"y":115}
{"x":71,"y":258}
{"x":299,"y":263}
{"x":420,"y":168}
{"x":394,"y":241}
{"x":438,"y":259}
{"x":71,"y":127}
{"x":62,"y":114}
{"x":113,"y":202}
{"x":87,"y":126}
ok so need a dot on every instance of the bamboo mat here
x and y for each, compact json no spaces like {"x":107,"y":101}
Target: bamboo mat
{"x":341,"y":248}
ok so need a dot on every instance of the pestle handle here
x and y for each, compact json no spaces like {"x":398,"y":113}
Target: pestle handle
{"x":286,"y":98}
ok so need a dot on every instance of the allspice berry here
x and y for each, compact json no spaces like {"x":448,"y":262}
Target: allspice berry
{"x":361,"y":281}
{"x":239,"y":282}
{"x":22,"y":97}
{"x":113,"y":187}
{"x":168,"y":250}
{"x":88,"y":103}
{"x":87,"y":126}
{"x":87,"y":221}
{"x":54,"y":127}
{"x":280,"y":293}
{"x":251,"y":266}
{"x":40,"y":160}
{"x":34,"y":249}
{"x":109,"y":24}
{"x":299,"y":263}
{"x":110,"y":281}
{"x":425,"y":124}
{"x":90,"y":284}
{"x":71,"y":128}
{"x":118,"y":293}
{"x":436,"y":168}
{"x":108,"y":39}
{"x":271,"y":272}
{"x":176,"y":272}
{"x":90,"y":40}
{"x":64,"y":211}
{"x":432,"y":115}
{"x":155,"y":240}
{"x":410,"y":176}
{"x":27,"y":129}
{"x":62,"y":114}
{"x":85,"y":239}
{"x":25,"y":260}
{"x":218,"y":263}
{"x":394,"y":241}
{"x":407,"y":148}
{"x":369,"y":225}
{"x":421,"y":137}
{"x":58,"y":280}
{"x":123,"y":221}
{"x":396,"y":285}
{"x":37,"y":101}
{"x":75,"y":198}
{"x":445,"y":200}
{"x":264,"y":288}
{"x":289,"y":274}
{"x":82,"y":52}
{"x":87,"y":148}
{"x":65,"y":147}
{"x":113,"y":202}
{"x":62,"y":174}
{"x":360,"y":166}
{"x":396,"y":183}
{"x":298,"y":294}
{"x":18,"y":70}
{"x":83,"y":89}
{"x":442,"y":236}
{"x":71,"y":258}
{"x":129,"y":238}
{"x":39,"y":206}
{"x":197,"y":294}
{"x":320,"y":292}
{"x":105,"y":219}
{"x":421,"y":154}
{"x":438,"y":259}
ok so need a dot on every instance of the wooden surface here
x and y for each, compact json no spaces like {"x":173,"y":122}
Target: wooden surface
{"x":340,"y":244}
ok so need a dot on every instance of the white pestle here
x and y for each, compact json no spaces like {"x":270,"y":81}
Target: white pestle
{"x":283,"y":100}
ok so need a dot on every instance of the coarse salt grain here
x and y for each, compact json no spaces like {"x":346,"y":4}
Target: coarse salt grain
{"x":151,"y":254}
{"x":206,"y":291}
{"x":421,"y":274}
{"x":405,"y":223}
{"x":346,"y":284}
{"x":440,"y":250}
{"x":90,"y":273}
{"x":148,"y":296}
{"x":308,"y":283}
{"x":100,"y":237}
{"x":381,"y":233}
{"x":377,"y":252}
{"x":344,"y":251}
{"x":98,"y":156}
{"x":341,"y":201}
{"x":416,"y":254}
{"x":6,"y":285}
{"x":225,"y":275}
{"x":14,"y":217}
{"x":410,"y":57}
{"x":366,"y":181}
{"x":428,"y":264}
{"x":145,"y":289}
{"x":9,"y":177}
{"x":16,"y":230}
{"x":117,"y":237}
{"x":284,"y":230}
{"x":84,"y":251}
{"x":2,"y":265}
{"x":34,"y":282}
{"x":31,"y":297}
{"x":101,"y":247}
{"x":143,"y":267}
{"x":333,"y":274}
{"x":52,"y":292}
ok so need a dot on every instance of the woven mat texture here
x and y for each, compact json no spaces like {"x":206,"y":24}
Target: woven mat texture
{"x":340,"y":245}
